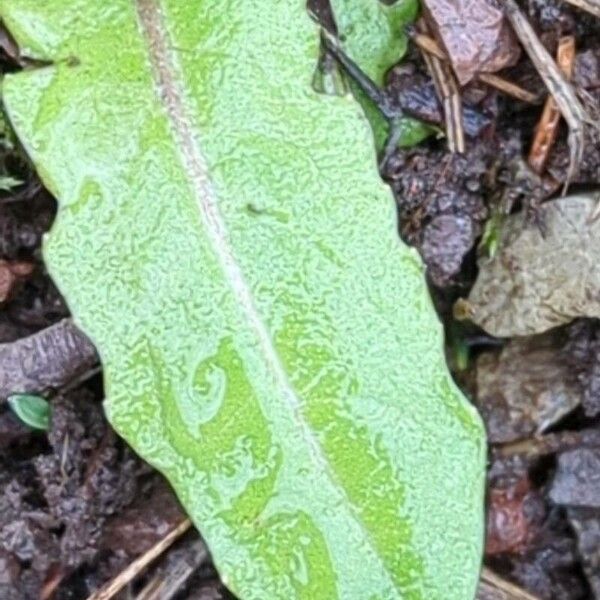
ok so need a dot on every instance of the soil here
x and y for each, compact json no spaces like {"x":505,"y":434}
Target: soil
{"x":77,"y":506}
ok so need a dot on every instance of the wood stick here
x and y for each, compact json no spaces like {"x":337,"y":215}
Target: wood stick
{"x":591,"y":6}
{"x":493,"y":587}
{"x":428,"y":44}
{"x":368,"y":86}
{"x":547,"y":127}
{"x":567,"y":101}
{"x":509,"y":88}
{"x":550,"y":443}
{"x":114,"y":586}
{"x":168,"y":582}
{"x":449,"y":93}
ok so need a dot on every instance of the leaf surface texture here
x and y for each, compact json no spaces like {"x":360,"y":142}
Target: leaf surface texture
{"x":268,"y":342}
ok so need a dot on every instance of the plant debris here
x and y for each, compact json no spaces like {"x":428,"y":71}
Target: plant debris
{"x":12,"y":273}
{"x":48,"y":359}
{"x":113,"y":587}
{"x":547,"y":129}
{"x":449,"y":95}
{"x":552,"y":443}
{"x":591,"y":6}
{"x":524,"y":389}
{"x":511,"y":522}
{"x":179,"y":567}
{"x":475,"y":35}
{"x":540,"y":277}
{"x":563,"y":93}
{"x":493,"y":587}
{"x":503,"y":85}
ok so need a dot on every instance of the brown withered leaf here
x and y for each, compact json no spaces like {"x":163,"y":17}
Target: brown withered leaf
{"x":541,"y":276}
{"x":509,"y":524}
{"x":10,"y":274}
{"x":475,"y":35}
{"x":524,"y":389}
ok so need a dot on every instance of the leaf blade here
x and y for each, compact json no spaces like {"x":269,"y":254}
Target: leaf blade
{"x":32,"y":410}
{"x":242,"y":424}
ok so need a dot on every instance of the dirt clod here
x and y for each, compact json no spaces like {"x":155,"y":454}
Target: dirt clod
{"x":80,"y":479}
{"x":582,"y":357}
{"x":440,"y":198}
{"x":137,"y":528}
{"x":577,"y":479}
{"x":586,"y":524}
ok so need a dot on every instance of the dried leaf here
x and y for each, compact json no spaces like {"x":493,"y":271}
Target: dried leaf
{"x":10,"y":274}
{"x":475,"y":35}
{"x":541,"y":276}
{"x":509,"y":524}
{"x":524,"y":389}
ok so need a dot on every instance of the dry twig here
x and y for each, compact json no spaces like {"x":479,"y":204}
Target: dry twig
{"x":566,"y":99}
{"x":493,"y":587}
{"x":551,"y":443}
{"x":428,"y":44}
{"x":368,"y":86}
{"x":113,"y":587}
{"x":547,"y":128}
{"x":166,"y":584}
{"x":591,"y":6}
{"x":449,"y":93}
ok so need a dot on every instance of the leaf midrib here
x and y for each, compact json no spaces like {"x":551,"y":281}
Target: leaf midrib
{"x":172,"y":97}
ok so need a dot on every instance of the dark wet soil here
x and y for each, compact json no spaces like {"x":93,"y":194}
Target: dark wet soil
{"x":77,"y":506}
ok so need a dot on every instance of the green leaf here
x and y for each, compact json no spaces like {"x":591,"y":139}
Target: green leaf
{"x":32,"y":410}
{"x":7,"y":183}
{"x":414,"y":132}
{"x":372,"y":34}
{"x":492,"y":233}
{"x":6,"y":134}
{"x":268,"y":342}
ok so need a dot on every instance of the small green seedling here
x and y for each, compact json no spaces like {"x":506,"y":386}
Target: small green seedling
{"x":491,"y":234}
{"x":7,"y":183}
{"x":34,"y":411}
